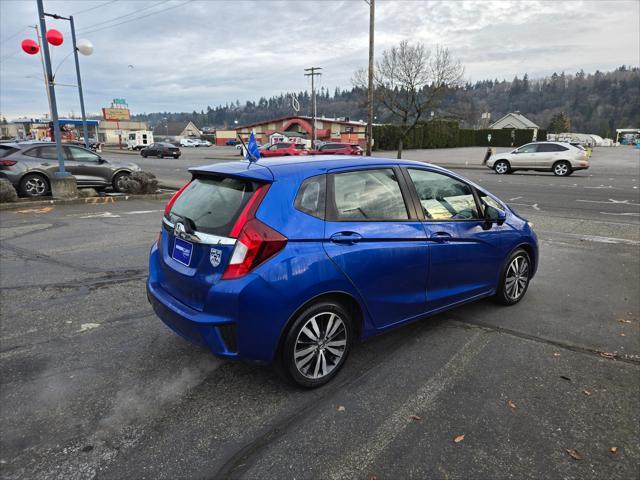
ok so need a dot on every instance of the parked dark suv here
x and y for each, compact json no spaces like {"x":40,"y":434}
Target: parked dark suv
{"x":161,"y":150}
{"x":30,"y":166}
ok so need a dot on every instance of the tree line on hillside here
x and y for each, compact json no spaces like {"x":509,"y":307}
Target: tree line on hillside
{"x":596,"y":103}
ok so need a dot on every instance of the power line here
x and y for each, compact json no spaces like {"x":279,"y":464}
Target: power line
{"x":93,"y":8}
{"x":125,"y":15}
{"x":15,"y":34}
{"x":136,"y":18}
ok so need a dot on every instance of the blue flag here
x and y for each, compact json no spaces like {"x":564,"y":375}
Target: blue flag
{"x":253,"y":152}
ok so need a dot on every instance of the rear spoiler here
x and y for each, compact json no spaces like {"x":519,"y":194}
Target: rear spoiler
{"x":240,"y":169}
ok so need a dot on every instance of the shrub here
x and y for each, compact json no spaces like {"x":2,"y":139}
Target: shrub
{"x":7,"y":192}
{"x":139,"y":183}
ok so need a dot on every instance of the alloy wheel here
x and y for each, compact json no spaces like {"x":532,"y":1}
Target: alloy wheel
{"x":502,"y":167}
{"x":517,"y":277}
{"x":561,"y":169}
{"x":320,"y":345}
{"x":35,"y":186}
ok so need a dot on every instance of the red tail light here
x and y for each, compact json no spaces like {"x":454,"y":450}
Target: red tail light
{"x":173,"y":199}
{"x":8,"y":163}
{"x":256,"y":243}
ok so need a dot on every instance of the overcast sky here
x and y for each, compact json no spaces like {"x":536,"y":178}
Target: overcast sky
{"x":191,"y":54}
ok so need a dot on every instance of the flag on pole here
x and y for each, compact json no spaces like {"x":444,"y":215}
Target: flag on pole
{"x":253,"y":152}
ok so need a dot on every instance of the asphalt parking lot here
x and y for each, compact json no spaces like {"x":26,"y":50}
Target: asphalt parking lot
{"x":94,"y":385}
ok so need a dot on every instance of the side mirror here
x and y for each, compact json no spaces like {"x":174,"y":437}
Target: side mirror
{"x":494,"y":215}
{"x":101,"y":160}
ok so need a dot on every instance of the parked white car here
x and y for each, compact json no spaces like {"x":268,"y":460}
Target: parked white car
{"x":558,"y":157}
{"x":189,"y":142}
{"x":202,"y":142}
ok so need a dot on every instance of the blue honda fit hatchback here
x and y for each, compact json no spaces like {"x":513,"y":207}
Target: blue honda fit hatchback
{"x":290,"y":260}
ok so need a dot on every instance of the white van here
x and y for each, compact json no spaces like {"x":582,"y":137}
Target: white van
{"x":139,"y":139}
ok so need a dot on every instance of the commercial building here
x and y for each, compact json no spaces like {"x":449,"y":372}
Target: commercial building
{"x":298,"y":129}
{"x":116,"y":132}
{"x":176,"y":131}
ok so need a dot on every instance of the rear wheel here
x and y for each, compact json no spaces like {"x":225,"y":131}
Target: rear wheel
{"x":317,"y":344}
{"x":160,"y":155}
{"x":176,"y":156}
{"x":144,"y":155}
{"x":34,"y":185}
{"x":515,"y":278}
{"x":562,"y":169}
{"x":502,"y":167}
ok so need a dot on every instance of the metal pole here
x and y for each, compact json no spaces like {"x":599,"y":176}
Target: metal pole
{"x":52,"y":92}
{"x":372,"y":11}
{"x":44,"y":72}
{"x":85,"y":130}
{"x":312,"y":74}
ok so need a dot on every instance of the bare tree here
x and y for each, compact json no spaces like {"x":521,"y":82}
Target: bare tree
{"x":410,"y":81}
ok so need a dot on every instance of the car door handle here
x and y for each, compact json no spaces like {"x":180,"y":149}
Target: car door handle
{"x":441,"y":236}
{"x":346,"y":238}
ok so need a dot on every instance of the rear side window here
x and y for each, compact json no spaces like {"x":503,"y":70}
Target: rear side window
{"x":551,"y":147}
{"x":212,"y":204}
{"x":531,"y":148}
{"x":311,"y":196}
{"x":368,"y":195}
{"x":7,"y":150}
{"x":300,"y":146}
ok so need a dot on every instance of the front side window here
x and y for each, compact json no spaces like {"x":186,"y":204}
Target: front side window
{"x":443,"y":197}
{"x":81,"y":155}
{"x":368,"y":195}
{"x":531,"y":148}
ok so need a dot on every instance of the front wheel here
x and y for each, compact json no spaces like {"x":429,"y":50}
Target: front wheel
{"x":118,"y":181}
{"x":502,"y":167}
{"x":160,"y":155}
{"x":515,"y":278}
{"x":317,"y":344}
{"x":562,"y":169}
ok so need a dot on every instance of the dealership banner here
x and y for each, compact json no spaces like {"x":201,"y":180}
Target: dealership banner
{"x":116,"y":113}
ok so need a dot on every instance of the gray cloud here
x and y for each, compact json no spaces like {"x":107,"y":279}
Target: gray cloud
{"x":208,"y":52}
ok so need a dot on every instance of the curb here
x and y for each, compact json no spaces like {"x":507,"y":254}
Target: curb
{"x":85,"y":201}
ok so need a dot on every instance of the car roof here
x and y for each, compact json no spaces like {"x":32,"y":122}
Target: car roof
{"x":271,"y":168}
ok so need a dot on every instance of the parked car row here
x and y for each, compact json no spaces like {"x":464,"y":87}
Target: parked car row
{"x":31,"y":166}
{"x":194,"y":142}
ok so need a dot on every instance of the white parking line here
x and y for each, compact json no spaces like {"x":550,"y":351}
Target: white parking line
{"x":630,"y":214}
{"x":594,"y":238}
{"x":611,"y":201}
{"x":534,"y":206}
{"x":514,"y":198}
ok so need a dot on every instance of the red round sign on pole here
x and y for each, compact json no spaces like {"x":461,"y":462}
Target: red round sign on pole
{"x":54,"y":37}
{"x":30,"y":46}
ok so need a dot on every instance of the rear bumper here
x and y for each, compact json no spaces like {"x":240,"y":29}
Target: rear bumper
{"x":215,"y":333}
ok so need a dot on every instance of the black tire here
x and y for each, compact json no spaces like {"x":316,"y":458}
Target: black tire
{"x":144,"y":155}
{"x":505,"y":294}
{"x":502,"y":167}
{"x":303,"y":372}
{"x":160,"y":155}
{"x":117,"y":179}
{"x":176,"y":156}
{"x":562,"y":169}
{"x":34,"y":185}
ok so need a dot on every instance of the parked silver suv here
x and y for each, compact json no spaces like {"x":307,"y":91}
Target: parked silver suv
{"x":558,"y":157}
{"x":30,"y":166}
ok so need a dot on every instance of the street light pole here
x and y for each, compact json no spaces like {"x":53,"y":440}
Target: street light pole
{"x":52,"y":93}
{"x":372,"y":11}
{"x":85,"y":130}
{"x":313,"y":74}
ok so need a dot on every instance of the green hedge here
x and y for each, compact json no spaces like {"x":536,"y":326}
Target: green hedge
{"x":447,"y":134}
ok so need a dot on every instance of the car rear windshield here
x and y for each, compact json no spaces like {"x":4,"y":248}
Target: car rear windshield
{"x":7,"y":150}
{"x":213,"y":204}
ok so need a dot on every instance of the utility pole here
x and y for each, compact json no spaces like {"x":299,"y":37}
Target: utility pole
{"x":372,"y":11}
{"x":44,"y":71}
{"x":85,"y":130}
{"x":312,"y":73}
{"x":52,"y":93}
